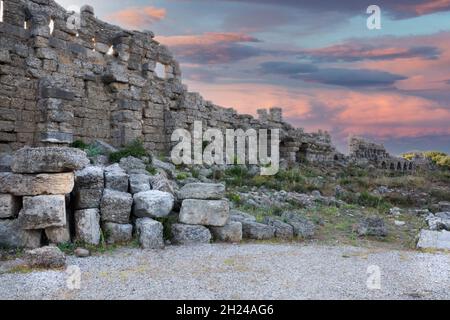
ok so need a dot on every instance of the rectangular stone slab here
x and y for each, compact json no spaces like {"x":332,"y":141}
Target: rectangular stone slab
{"x":202,"y":191}
{"x":49,"y":160}
{"x":36,"y":184}
{"x":205,"y":212}
{"x":42,"y":212}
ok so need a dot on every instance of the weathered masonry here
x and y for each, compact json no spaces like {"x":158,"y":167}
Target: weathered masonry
{"x":65,"y":77}
{"x":362,"y":150}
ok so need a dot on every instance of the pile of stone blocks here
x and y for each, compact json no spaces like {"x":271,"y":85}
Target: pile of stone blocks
{"x":102,"y":203}
{"x":204,"y":213}
{"x":149,"y":204}
{"x":34,"y":196}
{"x":110,"y":200}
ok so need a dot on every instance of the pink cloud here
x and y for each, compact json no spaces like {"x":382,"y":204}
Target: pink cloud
{"x":423,"y":74}
{"x":380,"y":114}
{"x":137,"y":17}
{"x":211,"y":47}
{"x":428,"y":7}
{"x":205,"y":39}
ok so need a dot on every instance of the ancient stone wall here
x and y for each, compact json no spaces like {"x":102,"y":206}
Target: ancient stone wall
{"x":61,"y":82}
{"x":362,"y":150}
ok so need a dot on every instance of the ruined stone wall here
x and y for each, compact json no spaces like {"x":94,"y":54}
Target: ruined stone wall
{"x":362,"y":151}
{"x":97,"y":81}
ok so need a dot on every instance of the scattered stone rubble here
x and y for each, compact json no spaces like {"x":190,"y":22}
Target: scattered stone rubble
{"x":60,"y":86}
{"x":438,"y":235}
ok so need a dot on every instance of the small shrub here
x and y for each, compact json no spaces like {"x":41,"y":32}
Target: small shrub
{"x":195,"y":173}
{"x":67,"y":248}
{"x":92,"y":151}
{"x":79,"y":144}
{"x":182,"y":176}
{"x":151,"y":169}
{"x":234,"y":197}
{"x":135,"y":149}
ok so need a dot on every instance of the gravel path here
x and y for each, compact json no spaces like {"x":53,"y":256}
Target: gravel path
{"x":247,"y":271}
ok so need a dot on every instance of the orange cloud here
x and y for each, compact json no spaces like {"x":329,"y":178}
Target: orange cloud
{"x":208,"y":38}
{"x":137,"y":17}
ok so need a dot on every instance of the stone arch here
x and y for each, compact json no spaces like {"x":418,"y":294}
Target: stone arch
{"x":399,"y":166}
{"x":411,"y":166}
{"x":392,"y":166}
{"x":383,"y":165}
{"x":405,"y":166}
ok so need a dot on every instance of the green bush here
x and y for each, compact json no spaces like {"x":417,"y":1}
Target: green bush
{"x":135,"y":149}
{"x":235,"y":198}
{"x":79,"y":144}
{"x":90,"y":150}
{"x":182,"y":176}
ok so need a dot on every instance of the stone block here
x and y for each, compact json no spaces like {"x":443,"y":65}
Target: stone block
{"x":88,"y":198}
{"x":117,"y":233}
{"x":205,"y":212}
{"x":36,"y":184}
{"x":49,"y":160}
{"x":115,"y":206}
{"x":205,"y":191}
{"x":90,"y":177}
{"x":230,"y":232}
{"x":13,"y":236}
{"x":41,"y":212}
{"x":87,"y":226}
{"x":185,"y":234}
{"x":150,"y":233}
{"x":152,"y":204}
{"x":9,"y":206}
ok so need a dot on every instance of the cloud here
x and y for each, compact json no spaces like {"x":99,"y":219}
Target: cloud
{"x":387,"y":115}
{"x":354,"y":51}
{"x":212,"y":48}
{"x":342,"y":111}
{"x":286,"y":68}
{"x":398,"y":9}
{"x":137,"y":17}
{"x":423,"y":74}
{"x":207,"y":38}
{"x":331,"y":76}
{"x":352,"y":77}
{"x":427,"y":7}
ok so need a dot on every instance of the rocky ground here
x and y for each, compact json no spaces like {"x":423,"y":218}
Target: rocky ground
{"x":245,"y":271}
{"x":315,"y":232}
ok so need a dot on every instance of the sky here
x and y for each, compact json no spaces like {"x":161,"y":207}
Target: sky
{"x":317,"y":60}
